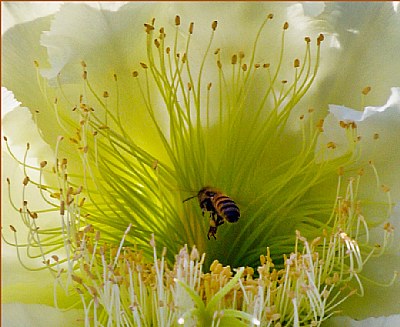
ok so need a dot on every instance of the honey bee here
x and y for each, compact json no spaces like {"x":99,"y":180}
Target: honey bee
{"x":221,"y":207}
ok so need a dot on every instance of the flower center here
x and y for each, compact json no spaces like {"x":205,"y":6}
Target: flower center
{"x":223,"y":121}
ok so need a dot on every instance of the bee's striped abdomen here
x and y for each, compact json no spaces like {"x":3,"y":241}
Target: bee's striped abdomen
{"x":226,"y":208}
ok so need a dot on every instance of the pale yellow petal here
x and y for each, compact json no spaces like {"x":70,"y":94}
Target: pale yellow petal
{"x":38,"y":315}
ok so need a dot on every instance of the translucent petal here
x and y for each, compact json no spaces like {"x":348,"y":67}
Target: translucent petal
{"x":313,"y":8}
{"x":20,"y":12}
{"x":112,"y":6}
{"x":389,"y":321}
{"x":379,"y":130}
{"x":369,"y":36}
{"x":113,"y":42}
{"x":109,"y":44}
{"x":20,"y":49}
{"x":17,"y":280}
{"x":343,"y":113}
{"x":378,"y":300}
{"x":8,"y":101}
{"x":20,"y":128}
{"x":38,"y":315}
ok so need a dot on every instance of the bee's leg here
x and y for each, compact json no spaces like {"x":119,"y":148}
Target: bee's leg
{"x":213,"y":229}
{"x":206,"y":205}
{"x":211,"y":232}
{"x":219,"y":221}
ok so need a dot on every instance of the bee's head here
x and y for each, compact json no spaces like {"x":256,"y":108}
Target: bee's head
{"x":207,"y":191}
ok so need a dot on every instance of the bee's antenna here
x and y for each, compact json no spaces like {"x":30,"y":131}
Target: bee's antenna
{"x":189,"y":198}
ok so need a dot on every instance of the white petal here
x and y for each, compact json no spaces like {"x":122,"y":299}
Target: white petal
{"x":115,"y":42}
{"x":109,"y":41}
{"x":112,"y":6}
{"x":105,"y":40}
{"x":8,"y":101}
{"x":14,"y":172}
{"x":343,"y":113}
{"x":20,"y":49}
{"x":313,"y":8}
{"x":389,"y":321}
{"x":379,"y":300}
{"x":396,"y":5}
{"x":361,"y":49}
{"x":380,"y":134}
{"x":385,"y":154}
{"x":20,"y":129}
{"x":37,"y":315}
{"x":20,"y":12}
{"x":393,"y":249}
{"x":369,"y":36}
{"x":16,"y":279}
